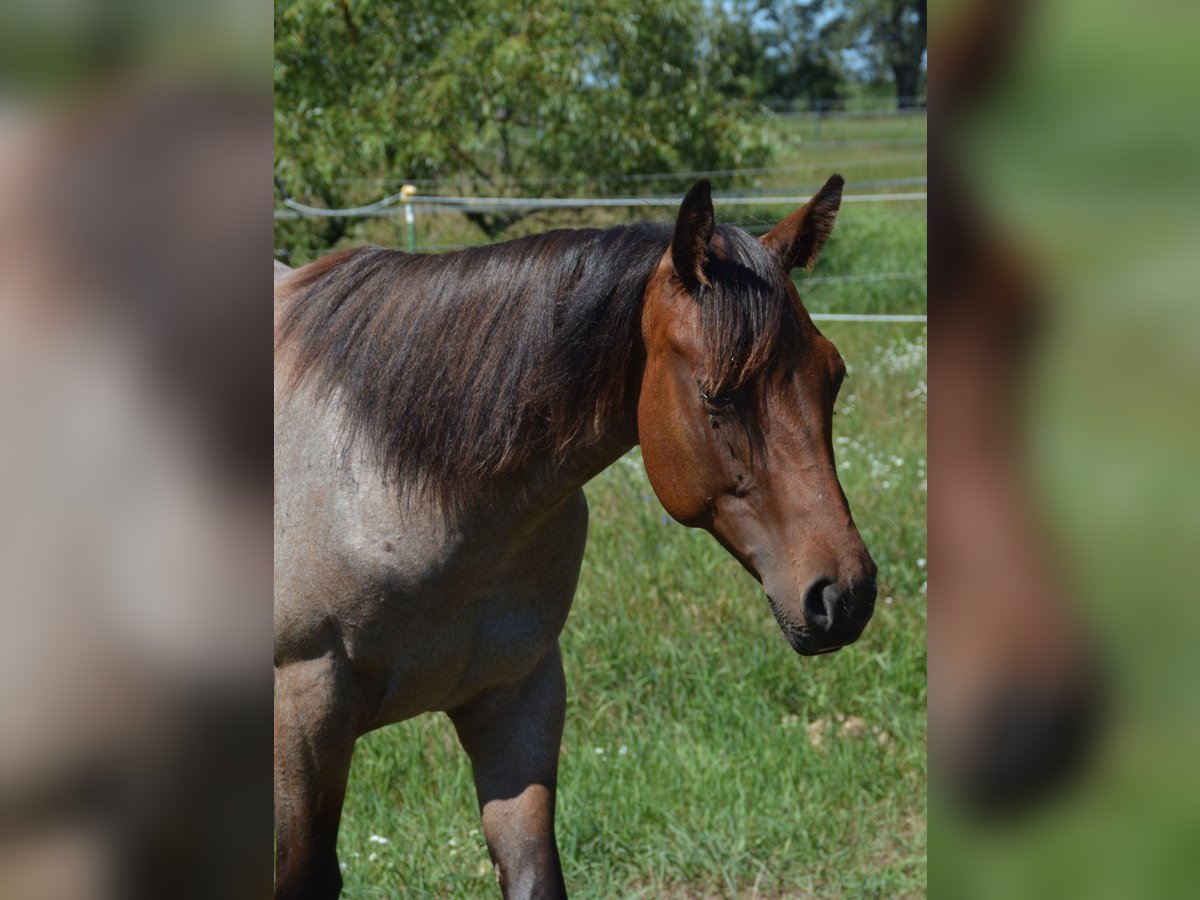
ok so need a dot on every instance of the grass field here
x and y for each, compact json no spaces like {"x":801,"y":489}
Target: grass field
{"x":702,"y":757}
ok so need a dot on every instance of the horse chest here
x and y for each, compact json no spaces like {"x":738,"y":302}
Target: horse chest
{"x":443,"y":617}
{"x":511,"y":632}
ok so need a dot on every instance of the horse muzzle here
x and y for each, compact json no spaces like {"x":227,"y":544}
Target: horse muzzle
{"x":832,"y":614}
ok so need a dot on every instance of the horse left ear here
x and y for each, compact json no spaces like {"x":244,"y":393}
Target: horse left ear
{"x":798,"y":239}
{"x":693,"y":230}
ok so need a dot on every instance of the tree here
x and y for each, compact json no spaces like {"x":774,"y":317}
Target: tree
{"x":540,"y":97}
{"x":891,"y":36}
{"x":781,"y":52}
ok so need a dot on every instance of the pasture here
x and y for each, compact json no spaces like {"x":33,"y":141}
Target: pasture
{"x":702,"y":757}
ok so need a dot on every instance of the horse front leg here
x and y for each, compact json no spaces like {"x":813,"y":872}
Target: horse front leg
{"x":512,"y":735}
{"x":314,"y":740}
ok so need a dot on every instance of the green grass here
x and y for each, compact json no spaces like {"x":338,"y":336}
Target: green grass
{"x":702,"y":757}
{"x":863,"y":129}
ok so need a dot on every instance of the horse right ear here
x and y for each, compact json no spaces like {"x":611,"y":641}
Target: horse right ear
{"x":693,"y":230}
{"x":798,"y":239}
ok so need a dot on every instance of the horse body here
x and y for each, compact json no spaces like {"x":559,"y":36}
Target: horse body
{"x":390,"y":606}
{"x":430,"y":522}
{"x":432,"y":609}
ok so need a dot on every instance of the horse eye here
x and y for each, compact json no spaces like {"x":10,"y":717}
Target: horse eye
{"x":725,"y":398}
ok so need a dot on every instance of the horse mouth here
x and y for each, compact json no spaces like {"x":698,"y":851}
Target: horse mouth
{"x":805,"y":647}
{"x":800,"y":637}
{"x":803,"y":652}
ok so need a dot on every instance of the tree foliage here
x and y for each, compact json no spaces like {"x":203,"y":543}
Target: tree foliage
{"x":546,"y":97}
{"x":891,"y":36}
{"x":783,"y":53}
{"x":790,"y":54}
{"x":495,"y":95}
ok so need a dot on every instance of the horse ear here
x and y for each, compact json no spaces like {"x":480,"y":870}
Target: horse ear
{"x":798,"y":239}
{"x":693,"y":230}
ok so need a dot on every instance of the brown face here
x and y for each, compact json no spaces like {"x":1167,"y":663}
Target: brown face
{"x":754,"y":466}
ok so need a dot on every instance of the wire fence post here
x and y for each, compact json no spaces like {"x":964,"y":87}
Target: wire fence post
{"x":410,"y":218}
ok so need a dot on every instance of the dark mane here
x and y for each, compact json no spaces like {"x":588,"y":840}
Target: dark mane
{"x":457,"y":368}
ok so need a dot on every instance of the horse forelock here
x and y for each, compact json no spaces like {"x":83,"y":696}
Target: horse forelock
{"x":747,"y":321}
{"x":454,"y":369}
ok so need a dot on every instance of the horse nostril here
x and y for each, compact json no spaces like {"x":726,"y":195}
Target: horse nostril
{"x":820,"y":604}
{"x":867,"y":592}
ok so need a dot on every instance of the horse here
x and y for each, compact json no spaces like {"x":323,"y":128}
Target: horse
{"x":436,"y":419}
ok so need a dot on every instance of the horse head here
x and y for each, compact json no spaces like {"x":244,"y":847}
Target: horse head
{"x":735,"y":415}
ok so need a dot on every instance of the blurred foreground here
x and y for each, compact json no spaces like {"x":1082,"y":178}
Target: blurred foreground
{"x":1065,"y":364}
{"x":134,"y":463}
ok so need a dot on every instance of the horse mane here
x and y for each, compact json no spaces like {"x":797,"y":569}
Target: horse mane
{"x":454,"y":369}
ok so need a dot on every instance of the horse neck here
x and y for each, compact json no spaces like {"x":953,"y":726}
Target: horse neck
{"x":557,"y":475}
{"x":554,"y":478}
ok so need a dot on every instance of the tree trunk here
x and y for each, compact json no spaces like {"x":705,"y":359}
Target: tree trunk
{"x":908,"y":79}
{"x":333,"y":229}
